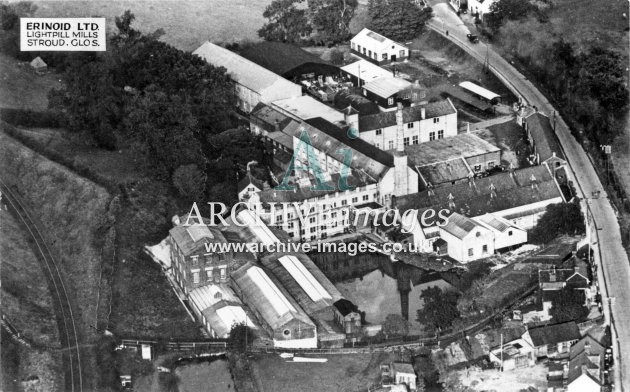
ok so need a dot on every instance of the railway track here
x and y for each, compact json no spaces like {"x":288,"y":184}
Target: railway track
{"x":67,"y":325}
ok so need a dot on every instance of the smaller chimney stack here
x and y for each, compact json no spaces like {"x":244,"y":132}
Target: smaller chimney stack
{"x":423,"y":113}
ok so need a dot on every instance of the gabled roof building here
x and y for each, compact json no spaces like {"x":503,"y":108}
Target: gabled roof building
{"x":377,"y":48}
{"x":254,"y":84}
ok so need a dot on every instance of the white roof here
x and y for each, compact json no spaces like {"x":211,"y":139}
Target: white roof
{"x":241,"y":70}
{"x":207,"y":296}
{"x":307,"y":107}
{"x":373,"y":40}
{"x":272,"y":293}
{"x":198,"y":232}
{"x":37,"y":62}
{"x":482,"y":92}
{"x":231,"y":315}
{"x":305,"y":279}
{"x":366,"y":70}
{"x":258,"y":227}
{"x":387,"y":86}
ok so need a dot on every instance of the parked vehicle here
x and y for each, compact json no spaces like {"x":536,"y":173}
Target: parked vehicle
{"x":472,"y":38}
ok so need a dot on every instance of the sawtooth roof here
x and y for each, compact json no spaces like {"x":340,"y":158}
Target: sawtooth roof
{"x":490,"y":194}
{"x":460,"y":226}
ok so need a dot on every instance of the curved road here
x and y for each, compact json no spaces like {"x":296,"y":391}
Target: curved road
{"x":614,"y":271}
{"x":64,"y":308}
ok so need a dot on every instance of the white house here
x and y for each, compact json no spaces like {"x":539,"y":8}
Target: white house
{"x":419,"y":124}
{"x":253,"y":83}
{"x":506,"y":233}
{"x":377,"y":48}
{"x":467,"y":239}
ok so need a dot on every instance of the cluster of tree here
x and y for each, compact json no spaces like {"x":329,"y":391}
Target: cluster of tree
{"x":583,"y":76}
{"x":400,"y":20}
{"x":395,"y":325}
{"x":440,"y":308}
{"x":505,"y":10}
{"x":290,"y":21}
{"x":169,"y":106}
{"x":558,"y":219}
{"x":240,"y":337}
{"x":10,"y":14}
{"x":569,"y":306}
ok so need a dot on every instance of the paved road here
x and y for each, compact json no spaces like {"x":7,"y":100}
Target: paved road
{"x":615,"y":269}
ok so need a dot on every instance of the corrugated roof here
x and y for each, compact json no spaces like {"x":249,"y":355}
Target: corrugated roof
{"x":305,"y":279}
{"x":410,"y":114}
{"x":482,"y":92}
{"x":387,"y":86}
{"x":496,"y":222}
{"x":366,"y":70}
{"x":243,"y":71}
{"x":273,"y":263}
{"x":268,"y":298}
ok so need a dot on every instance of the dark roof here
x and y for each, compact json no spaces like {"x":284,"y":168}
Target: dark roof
{"x":553,"y":334}
{"x":583,"y":364}
{"x":267,"y":117}
{"x":490,"y":194}
{"x":345,"y":307}
{"x":410,"y":114}
{"x":282,"y":58}
{"x":357,"y":144}
{"x":364,"y":106}
{"x":587,"y":343}
{"x":539,"y":126}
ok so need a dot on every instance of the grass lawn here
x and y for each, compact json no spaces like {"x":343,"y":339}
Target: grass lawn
{"x":22,"y":88}
{"x":341,"y":373}
{"x":186,"y":23}
{"x":214,"y":376}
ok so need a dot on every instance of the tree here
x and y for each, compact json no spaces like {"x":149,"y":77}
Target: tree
{"x":240,"y":337}
{"x":400,"y":20}
{"x":190,"y":181}
{"x":503,"y":10}
{"x":332,"y":18}
{"x":395,"y":325}
{"x":569,"y":306}
{"x":286,"y":23}
{"x":558,"y":219}
{"x":163,"y":131}
{"x":440,"y":308}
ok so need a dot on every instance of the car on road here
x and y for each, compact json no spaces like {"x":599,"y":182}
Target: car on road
{"x":472,"y":38}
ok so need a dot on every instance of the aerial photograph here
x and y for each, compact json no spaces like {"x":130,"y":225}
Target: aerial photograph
{"x":315,"y":196}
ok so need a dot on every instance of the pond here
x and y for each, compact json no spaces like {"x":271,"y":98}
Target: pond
{"x":379,"y":286}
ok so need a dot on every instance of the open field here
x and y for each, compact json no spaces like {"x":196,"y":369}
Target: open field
{"x":22,"y":88}
{"x":341,"y":373}
{"x":206,"y":375}
{"x":186,"y":23}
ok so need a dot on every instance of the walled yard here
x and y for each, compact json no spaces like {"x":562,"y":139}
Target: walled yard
{"x":510,"y":138}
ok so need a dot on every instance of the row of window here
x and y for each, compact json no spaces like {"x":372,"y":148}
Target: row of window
{"x":484,"y":250}
{"x":374,"y":55}
{"x":209,"y":274}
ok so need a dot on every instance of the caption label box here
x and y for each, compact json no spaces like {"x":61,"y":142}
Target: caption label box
{"x":63,"y":34}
